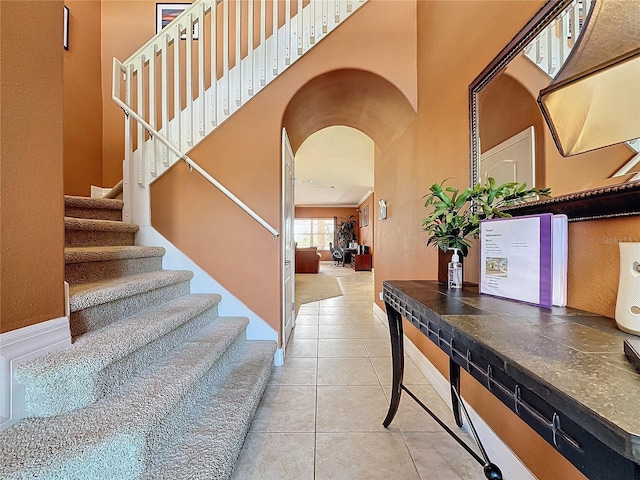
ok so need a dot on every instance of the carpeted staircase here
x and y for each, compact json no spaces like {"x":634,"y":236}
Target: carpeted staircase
{"x":155,"y":385}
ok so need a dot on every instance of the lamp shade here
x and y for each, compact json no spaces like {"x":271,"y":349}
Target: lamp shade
{"x":594,"y":101}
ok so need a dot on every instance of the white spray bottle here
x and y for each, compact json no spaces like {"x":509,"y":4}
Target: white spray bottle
{"x":455,"y":270}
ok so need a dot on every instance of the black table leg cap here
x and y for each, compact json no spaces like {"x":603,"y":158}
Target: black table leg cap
{"x":492,"y":472}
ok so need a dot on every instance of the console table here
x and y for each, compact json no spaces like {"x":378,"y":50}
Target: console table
{"x":562,"y":371}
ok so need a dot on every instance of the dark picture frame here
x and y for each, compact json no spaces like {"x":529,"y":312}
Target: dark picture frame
{"x":365,"y":216}
{"x":167,"y":12}
{"x":65,"y":43}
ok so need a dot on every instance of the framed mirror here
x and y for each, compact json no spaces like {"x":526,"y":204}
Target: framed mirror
{"x":504,"y":115}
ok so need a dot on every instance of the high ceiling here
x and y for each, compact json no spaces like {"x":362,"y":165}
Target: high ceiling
{"x":334,"y":167}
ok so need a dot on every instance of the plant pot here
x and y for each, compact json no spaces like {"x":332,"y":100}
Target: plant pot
{"x":443,"y":265}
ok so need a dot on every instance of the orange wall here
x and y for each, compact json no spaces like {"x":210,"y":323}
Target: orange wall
{"x":325,"y":212}
{"x":365,"y":235}
{"x":199,"y":221}
{"x":83,"y":99}
{"x":31,"y":207}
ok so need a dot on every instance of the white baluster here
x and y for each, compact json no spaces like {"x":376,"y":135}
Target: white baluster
{"x":140,"y":143}
{"x":189,"y":80}
{"x":237,"y":86}
{"x":177,"y":108}
{"x":165,"y":96}
{"x":349,"y":5}
{"x":274,"y":43}
{"x":202,"y":101}
{"x":312,"y":22}
{"x":225,"y":57}
{"x":214,"y":62}
{"x":336,"y":13}
{"x":300,"y":27}
{"x":153,"y":160}
{"x":263,"y":41}
{"x":250,"y":49}
{"x":325,"y":15}
{"x":287,"y":32}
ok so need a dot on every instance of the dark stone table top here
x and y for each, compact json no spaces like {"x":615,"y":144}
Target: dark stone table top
{"x":576,"y":355}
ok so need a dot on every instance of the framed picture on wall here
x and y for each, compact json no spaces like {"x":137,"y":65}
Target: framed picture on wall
{"x":365,"y":216}
{"x":167,"y":12}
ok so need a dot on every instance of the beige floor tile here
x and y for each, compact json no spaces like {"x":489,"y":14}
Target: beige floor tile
{"x":309,"y":308}
{"x":373,"y":331}
{"x":352,"y":409}
{"x":335,"y":320}
{"x":384,"y":369}
{"x":332,"y":302}
{"x":346,"y":371}
{"x":439,"y":457}
{"x":302,"y":347}
{"x":334,"y":310}
{"x":410,"y":417}
{"x":286,"y":408}
{"x":305,"y":331}
{"x":295,"y":371}
{"x":363,"y":456}
{"x":338,"y":331}
{"x":341,"y":348}
{"x":378,"y":347}
{"x":306,"y":319}
{"x":365,"y":319}
{"x":276,"y":456}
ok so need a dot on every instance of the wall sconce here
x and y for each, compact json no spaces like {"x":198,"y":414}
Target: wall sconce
{"x":383,"y":209}
{"x":594,"y":101}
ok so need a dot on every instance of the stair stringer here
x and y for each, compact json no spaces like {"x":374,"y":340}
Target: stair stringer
{"x":202,"y":282}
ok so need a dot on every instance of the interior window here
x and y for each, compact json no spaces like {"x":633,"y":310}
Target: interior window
{"x":313,"y":232}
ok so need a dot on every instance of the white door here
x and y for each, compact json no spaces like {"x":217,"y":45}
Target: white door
{"x":511,"y":161}
{"x":288,"y":243}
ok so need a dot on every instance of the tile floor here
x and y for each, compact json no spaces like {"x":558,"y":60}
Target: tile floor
{"x":322,"y":412}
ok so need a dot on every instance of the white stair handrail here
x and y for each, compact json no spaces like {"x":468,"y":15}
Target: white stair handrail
{"x":117,"y":66}
{"x":200,"y":69}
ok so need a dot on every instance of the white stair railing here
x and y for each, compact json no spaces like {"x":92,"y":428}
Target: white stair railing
{"x":203,"y":66}
{"x":551,"y":48}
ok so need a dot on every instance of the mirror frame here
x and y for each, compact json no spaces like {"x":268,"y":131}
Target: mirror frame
{"x":609,"y":202}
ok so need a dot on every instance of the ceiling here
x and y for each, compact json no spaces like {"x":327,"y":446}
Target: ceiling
{"x":334,"y":167}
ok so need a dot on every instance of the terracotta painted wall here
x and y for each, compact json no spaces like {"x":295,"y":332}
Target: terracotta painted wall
{"x":31,"y":193}
{"x":202,"y":223}
{"x":366,"y":233}
{"x":83,"y":99}
{"x":325,"y":212}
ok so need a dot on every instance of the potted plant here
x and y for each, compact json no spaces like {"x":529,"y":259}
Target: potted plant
{"x":455,"y":215}
{"x":347,"y":232}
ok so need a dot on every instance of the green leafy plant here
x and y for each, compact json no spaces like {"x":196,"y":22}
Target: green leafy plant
{"x":455,"y":215}
{"x":347,"y":231}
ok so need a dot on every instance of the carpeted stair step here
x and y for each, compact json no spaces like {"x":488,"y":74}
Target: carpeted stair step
{"x":90,"y":264}
{"x":208,"y":447}
{"x":112,"y":438}
{"x":95,"y":208}
{"x":84,"y":232}
{"x":102,"y":360}
{"x":96,"y":304}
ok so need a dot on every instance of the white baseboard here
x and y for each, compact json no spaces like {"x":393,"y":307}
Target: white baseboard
{"x":202,"y":282}
{"x":278,"y":359}
{"x":18,"y":346}
{"x":498,"y":452}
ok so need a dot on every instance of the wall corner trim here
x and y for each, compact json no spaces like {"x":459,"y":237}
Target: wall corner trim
{"x":21,"y":345}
